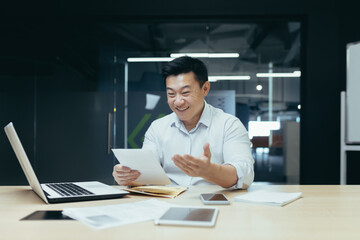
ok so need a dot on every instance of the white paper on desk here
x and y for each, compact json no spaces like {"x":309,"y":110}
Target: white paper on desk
{"x":146,"y":163}
{"x":268,"y":198}
{"x":120,"y":214}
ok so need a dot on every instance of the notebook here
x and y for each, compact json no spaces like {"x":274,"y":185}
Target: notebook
{"x":59,"y":192}
{"x":269,"y":198}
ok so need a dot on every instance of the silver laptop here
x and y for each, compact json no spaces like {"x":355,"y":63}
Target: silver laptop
{"x":60,"y":192}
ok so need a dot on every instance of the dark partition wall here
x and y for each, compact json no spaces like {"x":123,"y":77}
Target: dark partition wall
{"x":17,"y":108}
{"x":59,"y":101}
{"x":72,"y":137}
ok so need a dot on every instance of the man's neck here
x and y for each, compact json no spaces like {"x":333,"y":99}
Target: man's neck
{"x":193,"y":122}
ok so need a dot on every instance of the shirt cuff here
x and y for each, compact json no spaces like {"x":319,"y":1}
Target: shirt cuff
{"x":245,"y":174}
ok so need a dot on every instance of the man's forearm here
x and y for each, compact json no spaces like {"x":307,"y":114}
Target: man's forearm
{"x":222,"y":175}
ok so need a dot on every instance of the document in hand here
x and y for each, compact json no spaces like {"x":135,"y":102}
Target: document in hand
{"x":269,"y":198}
{"x":146,"y":163}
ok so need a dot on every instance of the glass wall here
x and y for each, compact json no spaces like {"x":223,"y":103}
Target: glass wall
{"x":254,"y":69}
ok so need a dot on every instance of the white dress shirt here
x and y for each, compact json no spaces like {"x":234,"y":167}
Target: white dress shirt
{"x":227,"y":136}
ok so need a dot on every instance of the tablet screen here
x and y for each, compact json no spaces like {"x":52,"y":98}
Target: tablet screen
{"x":189,"y":216}
{"x":213,"y":197}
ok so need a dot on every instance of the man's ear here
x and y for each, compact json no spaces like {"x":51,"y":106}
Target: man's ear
{"x":206,"y":88}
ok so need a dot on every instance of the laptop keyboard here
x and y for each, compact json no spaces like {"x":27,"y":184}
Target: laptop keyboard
{"x":68,"y":189}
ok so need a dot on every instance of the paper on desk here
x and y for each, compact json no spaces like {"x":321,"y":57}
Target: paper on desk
{"x":268,"y":198}
{"x":120,"y":214}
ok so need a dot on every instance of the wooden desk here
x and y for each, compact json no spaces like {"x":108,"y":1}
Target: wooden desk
{"x":325,"y":212}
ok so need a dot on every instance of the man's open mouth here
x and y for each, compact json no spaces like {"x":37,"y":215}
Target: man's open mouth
{"x":182,"y":109}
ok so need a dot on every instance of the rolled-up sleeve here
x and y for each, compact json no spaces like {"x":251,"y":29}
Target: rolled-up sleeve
{"x":237,"y":152}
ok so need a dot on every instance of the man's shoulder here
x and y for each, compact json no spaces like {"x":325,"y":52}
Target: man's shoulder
{"x":227,"y":120}
{"x":219,"y":114}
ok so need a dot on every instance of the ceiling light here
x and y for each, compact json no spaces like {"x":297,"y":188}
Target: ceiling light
{"x":150,"y":59}
{"x":219,"y":78}
{"x":206,"y":55}
{"x":293,"y":74}
{"x":259,"y":87}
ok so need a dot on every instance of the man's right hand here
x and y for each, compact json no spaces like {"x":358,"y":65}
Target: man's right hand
{"x":124,"y":175}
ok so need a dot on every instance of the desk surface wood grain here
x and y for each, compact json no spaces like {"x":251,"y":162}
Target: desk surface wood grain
{"x":324,"y":212}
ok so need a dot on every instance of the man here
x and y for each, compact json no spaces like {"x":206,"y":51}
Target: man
{"x":197,"y":143}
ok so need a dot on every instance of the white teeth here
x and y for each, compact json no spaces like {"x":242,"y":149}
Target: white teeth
{"x":182,"y":109}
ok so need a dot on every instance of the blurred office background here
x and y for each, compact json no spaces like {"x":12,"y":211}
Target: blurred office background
{"x":73,"y":82}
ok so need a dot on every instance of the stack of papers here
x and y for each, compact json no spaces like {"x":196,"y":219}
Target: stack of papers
{"x":120,"y":214}
{"x":269,"y":198}
{"x":158,"y":191}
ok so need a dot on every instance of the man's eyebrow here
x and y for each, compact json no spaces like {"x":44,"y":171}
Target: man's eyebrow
{"x":186,"y":86}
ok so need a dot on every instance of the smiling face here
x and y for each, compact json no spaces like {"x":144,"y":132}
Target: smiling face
{"x":186,"y":97}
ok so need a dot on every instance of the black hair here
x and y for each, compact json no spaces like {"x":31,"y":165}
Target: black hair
{"x":186,"y":64}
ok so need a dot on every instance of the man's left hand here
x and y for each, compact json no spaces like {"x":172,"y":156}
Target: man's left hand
{"x":194,"y":166}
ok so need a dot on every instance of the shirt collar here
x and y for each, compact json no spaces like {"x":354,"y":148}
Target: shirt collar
{"x":205,"y":118}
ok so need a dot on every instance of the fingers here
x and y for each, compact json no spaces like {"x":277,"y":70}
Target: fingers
{"x":121,"y":169}
{"x":192,"y":166}
{"x":126,"y":180}
{"x":124,"y":175}
{"x":187,"y":161}
{"x":207,"y":152}
{"x":179,"y":163}
{"x":191,"y":161}
{"x":184,"y":168}
{"x":187,"y":164}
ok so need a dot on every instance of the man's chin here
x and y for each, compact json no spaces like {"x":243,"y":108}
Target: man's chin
{"x":180,"y":116}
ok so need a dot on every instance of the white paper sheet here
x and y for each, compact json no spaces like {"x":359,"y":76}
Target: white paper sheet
{"x":268,"y":198}
{"x":146,"y":163}
{"x":120,"y":214}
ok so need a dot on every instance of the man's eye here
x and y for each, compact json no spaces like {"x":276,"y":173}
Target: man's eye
{"x":171,"y":94}
{"x":186,"y":93}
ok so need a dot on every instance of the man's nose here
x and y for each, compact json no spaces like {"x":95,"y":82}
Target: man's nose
{"x":179,"y":100}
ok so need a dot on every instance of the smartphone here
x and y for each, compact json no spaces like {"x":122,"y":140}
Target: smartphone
{"x":214,"y":198}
